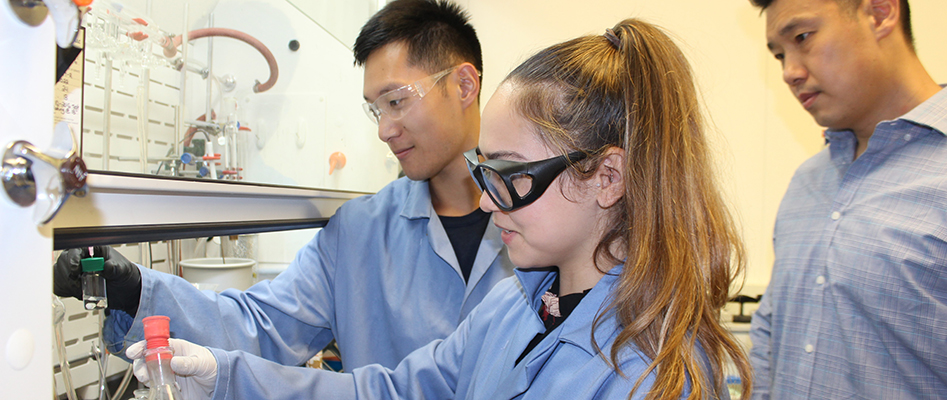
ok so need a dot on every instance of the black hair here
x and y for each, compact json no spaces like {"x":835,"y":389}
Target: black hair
{"x":437,"y":33}
{"x":852,"y":4}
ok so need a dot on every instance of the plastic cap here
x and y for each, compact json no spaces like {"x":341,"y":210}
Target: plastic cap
{"x":336,"y":161}
{"x":157,"y":331}
{"x":93,"y":264}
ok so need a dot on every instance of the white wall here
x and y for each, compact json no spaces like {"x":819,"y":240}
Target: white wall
{"x":763,"y":134}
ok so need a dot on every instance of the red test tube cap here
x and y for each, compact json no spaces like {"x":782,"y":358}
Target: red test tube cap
{"x":157,"y":330}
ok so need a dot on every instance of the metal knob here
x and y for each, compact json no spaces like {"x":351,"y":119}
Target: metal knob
{"x":30,"y":176}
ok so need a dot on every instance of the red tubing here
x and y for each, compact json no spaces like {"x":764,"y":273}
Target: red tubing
{"x":170,"y":49}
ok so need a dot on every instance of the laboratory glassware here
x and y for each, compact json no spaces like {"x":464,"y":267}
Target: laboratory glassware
{"x":158,"y":355}
{"x":93,"y":284}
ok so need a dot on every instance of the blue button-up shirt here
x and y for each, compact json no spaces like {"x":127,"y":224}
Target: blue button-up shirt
{"x":381,"y":279}
{"x":478,"y":361}
{"x":857,"y":303}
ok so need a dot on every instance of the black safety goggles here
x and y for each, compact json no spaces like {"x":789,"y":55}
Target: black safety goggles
{"x":513,"y":184}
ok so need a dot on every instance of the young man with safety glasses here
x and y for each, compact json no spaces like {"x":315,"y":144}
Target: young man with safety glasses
{"x":390,"y":272}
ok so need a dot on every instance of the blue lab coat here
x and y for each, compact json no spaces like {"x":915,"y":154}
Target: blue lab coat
{"x":475,"y":362}
{"x":381,"y":279}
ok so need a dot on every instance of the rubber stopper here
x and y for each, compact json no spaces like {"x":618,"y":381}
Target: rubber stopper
{"x":157,"y":331}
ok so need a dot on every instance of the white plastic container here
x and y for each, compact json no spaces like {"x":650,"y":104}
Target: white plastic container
{"x":226,"y":273}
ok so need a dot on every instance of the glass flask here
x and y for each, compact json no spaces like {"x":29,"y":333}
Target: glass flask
{"x":158,"y":359}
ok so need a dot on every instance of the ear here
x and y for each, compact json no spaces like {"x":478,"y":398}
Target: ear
{"x":885,"y":16}
{"x":469,"y":84}
{"x":609,"y":178}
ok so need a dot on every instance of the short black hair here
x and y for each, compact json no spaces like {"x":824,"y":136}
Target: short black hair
{"x":852,"y":4}
{"x":437,"y":33}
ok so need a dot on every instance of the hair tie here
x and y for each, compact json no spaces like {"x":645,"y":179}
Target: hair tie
{"x":612,"y":37}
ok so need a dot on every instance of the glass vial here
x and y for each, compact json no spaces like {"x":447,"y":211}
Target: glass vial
{"x":158,"y":359}
{"x":93,"y":284}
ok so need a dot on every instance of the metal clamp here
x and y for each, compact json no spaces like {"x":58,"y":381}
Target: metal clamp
{"x":29,"y":175}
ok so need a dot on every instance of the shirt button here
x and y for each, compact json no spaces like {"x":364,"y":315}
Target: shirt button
{"x":809,"y":348}
{"x":836,"y":215}
{"x":820,"y":280}
{"x":907,"y":137}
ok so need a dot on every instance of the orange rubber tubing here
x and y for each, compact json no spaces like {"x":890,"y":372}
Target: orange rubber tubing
{"x":170,"y":49}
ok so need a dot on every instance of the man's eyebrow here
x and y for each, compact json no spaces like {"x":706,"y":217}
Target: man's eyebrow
{"x":386,"y":89}
{"x":786,"y":30}
{"x":789,"y":27}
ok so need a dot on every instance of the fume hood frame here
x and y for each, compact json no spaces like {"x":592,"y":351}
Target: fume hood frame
{"x":128,"y":208}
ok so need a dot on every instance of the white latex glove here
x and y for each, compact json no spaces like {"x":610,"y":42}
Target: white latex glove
{"x":194,"y":366}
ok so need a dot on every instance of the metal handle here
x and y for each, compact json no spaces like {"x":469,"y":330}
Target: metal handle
{"x":30,"y":176}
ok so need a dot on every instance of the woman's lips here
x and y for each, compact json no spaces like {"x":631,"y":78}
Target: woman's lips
{"x":506,"y":235}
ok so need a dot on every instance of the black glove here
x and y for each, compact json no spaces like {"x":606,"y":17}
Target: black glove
{"x":122,"y":277}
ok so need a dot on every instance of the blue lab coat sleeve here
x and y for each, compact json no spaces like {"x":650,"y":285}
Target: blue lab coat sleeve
{"x":286,"y":320}
{"x":431,"y":372}
{"x":245,"y":376}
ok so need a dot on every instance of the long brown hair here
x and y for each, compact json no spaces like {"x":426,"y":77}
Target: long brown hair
{"x":633,"y":89}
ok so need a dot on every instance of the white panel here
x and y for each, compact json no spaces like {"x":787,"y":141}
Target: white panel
{"x":26,"y":105}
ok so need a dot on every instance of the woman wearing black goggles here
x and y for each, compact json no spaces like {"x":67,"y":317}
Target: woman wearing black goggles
{"x":593,"y":161}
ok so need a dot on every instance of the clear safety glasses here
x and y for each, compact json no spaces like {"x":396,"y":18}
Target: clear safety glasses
{"x":513,"y":184}
{"x":398,"y":102}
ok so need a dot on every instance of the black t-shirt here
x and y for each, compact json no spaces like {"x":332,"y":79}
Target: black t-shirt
{"x":465,"y":234}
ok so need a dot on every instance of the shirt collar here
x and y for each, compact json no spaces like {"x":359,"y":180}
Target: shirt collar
{"x":575,"y":329}
{"x":932,"y":113}
{"x":418,"y":202}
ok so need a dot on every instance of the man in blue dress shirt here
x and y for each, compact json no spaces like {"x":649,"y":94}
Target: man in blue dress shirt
{"x":857,"y":303}
{"x":390,"y":272}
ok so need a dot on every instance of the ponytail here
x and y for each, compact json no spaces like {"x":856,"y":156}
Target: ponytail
{"x":632,"y":88}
